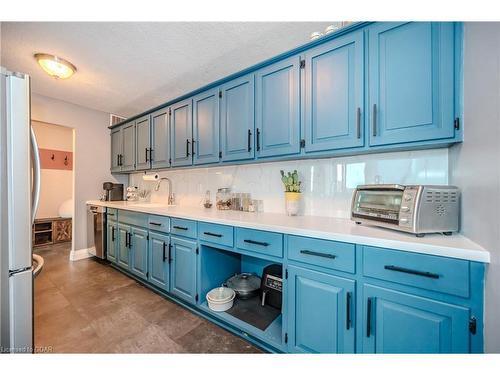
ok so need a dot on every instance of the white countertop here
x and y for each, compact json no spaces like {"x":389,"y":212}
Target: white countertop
{"x":454,"y":246}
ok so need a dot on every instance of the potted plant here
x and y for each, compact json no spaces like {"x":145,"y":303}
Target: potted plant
{"x":292,"y":192}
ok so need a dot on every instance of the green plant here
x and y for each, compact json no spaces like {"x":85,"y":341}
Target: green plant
{"x":291,"y":181}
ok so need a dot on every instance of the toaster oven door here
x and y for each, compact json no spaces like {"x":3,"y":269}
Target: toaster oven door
{"x":380,"y":205}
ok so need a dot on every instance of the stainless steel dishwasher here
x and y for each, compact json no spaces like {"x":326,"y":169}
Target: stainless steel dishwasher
{"x":96,"y":230}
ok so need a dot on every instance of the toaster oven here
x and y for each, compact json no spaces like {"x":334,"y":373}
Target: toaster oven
{"x":417,"y":209}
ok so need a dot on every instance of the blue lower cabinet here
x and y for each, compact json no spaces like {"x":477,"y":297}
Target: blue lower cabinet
{"x":183,"y":268}
{"x":139,"y":252}
{"x":321,"y":312}
{"x":123,"y":254}
{"x":396,"y":322}
{"x":112,"y":241}
{"x":159,"y":255}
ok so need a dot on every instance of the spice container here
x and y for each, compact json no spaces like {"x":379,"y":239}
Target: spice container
{"x":223,"y":199}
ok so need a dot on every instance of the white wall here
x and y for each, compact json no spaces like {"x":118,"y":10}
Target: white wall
{"x":91,"y":153}
{"x":475,"y":164}
{"x":327,"y":183}
{"x":56,"y":184}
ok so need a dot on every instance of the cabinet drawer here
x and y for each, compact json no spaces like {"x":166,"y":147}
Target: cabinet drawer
{"x":112,"y":213}
{"x":259,"y":241}
{"x":159,"y":223}
{"x":430,"y":272}
{"x":216,"y":233}
{"x":330,"y":254}
{"x":133,"y":218}
{"x":183,"y":227}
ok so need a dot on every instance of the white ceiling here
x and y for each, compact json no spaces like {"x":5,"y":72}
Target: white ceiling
{"x":127,"y":68}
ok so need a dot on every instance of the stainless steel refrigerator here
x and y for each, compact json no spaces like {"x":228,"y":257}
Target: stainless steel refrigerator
{"x":19,"y":194}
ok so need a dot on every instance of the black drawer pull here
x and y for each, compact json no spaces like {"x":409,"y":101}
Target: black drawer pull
{"x":256,"y":242}
{"x":412,"y":272}
{"x":213,"y":234}
{"x":164,"y":248}
{"x":157,"y":224}
{"x":317,"y":254}
{"x":181,"y":228}
{"x":368,"y":317}
{"x":109,"y":214}
{"x":348,"y":311}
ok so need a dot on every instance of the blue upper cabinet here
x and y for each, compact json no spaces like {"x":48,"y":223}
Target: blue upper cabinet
{"x":143,"y":143}
{"x":334,"y":103}
{"x":127,"y":159}
{"x":277,"y":111}
{"x":395,"y":322}
{"x":411,"y":82}
{"x":116,"y":149}
{"x":160,"y":139}
{"x":181,"y":128}
{"x":206,"y":127}
{"x":320,"y":312}
{"x":237,"y":119}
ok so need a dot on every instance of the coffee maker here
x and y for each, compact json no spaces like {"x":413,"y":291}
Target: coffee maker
{"x":112,"y":191}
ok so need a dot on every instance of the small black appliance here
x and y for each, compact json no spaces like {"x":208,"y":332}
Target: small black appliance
{"x":272,"y":286}
{"x":112,"y":192}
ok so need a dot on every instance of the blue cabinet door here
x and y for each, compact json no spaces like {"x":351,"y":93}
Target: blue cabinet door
{"x":123,"y":251}
{"x":396,"y":322}
{"x":277,"y":94}
{"x":334,"y":102}
{"x":320,"y":312}
{"x":183,"y":268}
{"x":116,"y":149}
{"x":160,"y":139}
{"x":206,"y":127}
{"x":159,"y":260}
{"x":139,"y":252}
{"x":128,"y":148}
{"x":237,"y":122}
{"x":411,"y":82}
{"x":181,"y":129}
{"x":111,"y":241}
{"x":143,"y":143}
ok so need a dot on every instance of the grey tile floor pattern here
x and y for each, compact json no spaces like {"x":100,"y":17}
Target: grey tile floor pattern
{"x":89,"y":307}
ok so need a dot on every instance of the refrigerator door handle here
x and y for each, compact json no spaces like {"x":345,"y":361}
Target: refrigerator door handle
{"x":35,"y":195}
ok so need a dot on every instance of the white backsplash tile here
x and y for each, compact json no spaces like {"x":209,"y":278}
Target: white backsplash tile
{"x":327,"y":184}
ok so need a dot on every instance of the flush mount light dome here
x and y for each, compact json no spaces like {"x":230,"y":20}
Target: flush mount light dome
{"x":55,"y":66}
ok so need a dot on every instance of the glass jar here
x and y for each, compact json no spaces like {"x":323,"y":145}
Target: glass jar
{"x":223,"y":199}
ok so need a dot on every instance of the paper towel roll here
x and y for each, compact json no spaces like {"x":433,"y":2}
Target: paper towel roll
{"x":151,"y":177}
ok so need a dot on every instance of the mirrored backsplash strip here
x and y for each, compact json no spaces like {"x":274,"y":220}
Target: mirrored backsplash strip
{"x":327,"y":184}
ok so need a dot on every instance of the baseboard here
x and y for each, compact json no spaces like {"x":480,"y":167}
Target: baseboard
{"x":79,"y":254}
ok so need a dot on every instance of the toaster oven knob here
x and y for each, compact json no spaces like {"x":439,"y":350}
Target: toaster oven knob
{"x":405,"y":208}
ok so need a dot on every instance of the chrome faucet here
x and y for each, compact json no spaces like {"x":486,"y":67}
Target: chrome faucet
{"x":171,"y":196}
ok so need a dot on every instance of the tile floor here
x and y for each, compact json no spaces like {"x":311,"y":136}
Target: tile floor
{"x":89,"y":307}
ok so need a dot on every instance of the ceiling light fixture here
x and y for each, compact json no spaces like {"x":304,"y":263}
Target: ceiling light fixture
{"x":55,"y":66}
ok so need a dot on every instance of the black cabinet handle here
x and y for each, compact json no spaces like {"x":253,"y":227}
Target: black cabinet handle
{"x":358,"y":122}
{"x":146,"y":151}
{"x":164,"y":248}
{"x":110,"y":214}
{"x":213,"y":234}
{"x":169,"y":253}
{"x":318,"y":254}
{"x":374,"y":120}
{"x":368,"y":317}
{"x":153,"y":223}
{"x":258,"y":139}
{"x":150,"y":154}
{"x":181,"y":228}
{"x":126,"y":239}
{"x":118,"y":159}
{"x":187,"y":147}
{"x":256,"y":242}
{"x":193,"y":147}
{"x":113,"y":234}
{"x":412,"y":272}
{"x":129,"y":240}
{"x":348,"y":311}
{"x":249,"y":147}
